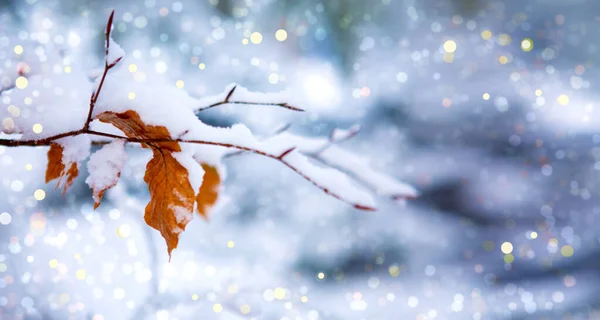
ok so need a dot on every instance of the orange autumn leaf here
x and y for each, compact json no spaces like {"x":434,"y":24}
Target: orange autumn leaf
{"x":98,"y":195}
{"x":70,"y":175}
{"x":56,"y":168}
{"x":209,"y":190}
{"x":133,"y":127}
{"x":171,"y":197}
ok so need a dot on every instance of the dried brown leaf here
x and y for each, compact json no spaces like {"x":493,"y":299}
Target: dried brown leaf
{"x":209,"y":190}
{"x":55,"y":166}
{"x":70,"y":176}
{"x":98,"y":194}
{"x":133,"y":127}
{"x":172,"y":197}
{"x":171,"y":203}
{"x":57,"y":170}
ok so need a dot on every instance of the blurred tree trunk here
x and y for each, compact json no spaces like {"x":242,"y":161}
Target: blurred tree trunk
{"x":341,"y":14}
{"x":225,"y":7}
{"x":468,"y":8}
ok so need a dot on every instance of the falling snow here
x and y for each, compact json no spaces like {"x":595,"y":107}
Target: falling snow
{"x":486,"y":107}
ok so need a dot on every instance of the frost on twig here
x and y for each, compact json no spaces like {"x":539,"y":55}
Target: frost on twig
{"x":185,"y":171}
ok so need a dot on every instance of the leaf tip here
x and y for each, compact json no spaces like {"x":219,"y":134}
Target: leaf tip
{"x":172,"y":244}
{"x":98,"y":196}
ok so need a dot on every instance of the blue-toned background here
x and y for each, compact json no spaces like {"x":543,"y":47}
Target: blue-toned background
{"x":487,"y":107}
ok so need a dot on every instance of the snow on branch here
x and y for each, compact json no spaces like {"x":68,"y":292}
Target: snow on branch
{"x":327,"y":151}
{"x":7,"y":88}
{"x":184,"y":173}
{"x":244,"y":96}
{"x":339,"y":135}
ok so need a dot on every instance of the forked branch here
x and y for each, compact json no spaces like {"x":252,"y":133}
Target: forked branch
{"x":228,"y":100}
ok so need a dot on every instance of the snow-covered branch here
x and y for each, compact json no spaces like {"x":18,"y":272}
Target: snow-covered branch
{"x":185,"y":168}
{"x":245,"y":97}
{"x":328,"y":152}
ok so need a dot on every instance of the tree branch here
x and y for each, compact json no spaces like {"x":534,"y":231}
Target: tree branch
{"x":107,"y":67}
{"x":3,"y":89}
{"x":284,"y":157}
{"x":278,"y":157}
{"x":282,"y":129}
{"x":40,"y":142}
{"x":20,"y":73}
{"x":318,"y":154}
{"x":228,"y":101}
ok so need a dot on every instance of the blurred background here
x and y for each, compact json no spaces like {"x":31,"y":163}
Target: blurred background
{"x":487,"y":107}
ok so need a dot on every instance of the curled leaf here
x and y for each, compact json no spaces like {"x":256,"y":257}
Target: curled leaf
{"x":209,"y":190}
{"x":55,"y":166}
{"x":57,"y":169}
{"x":70,"y":176}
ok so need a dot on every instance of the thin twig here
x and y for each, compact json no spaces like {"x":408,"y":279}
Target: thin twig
{"x":281,"y":104}
{"x":278,"y":131}
{"x":283,"y":129}
{"x":107,"y":67}
{"x":352,"y":132}
{"x":7,"y":88}
{"x":13,"y":84}
{"x":230,"y":93}
{"x":285,"y":153}
{"x":316,"y":155}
